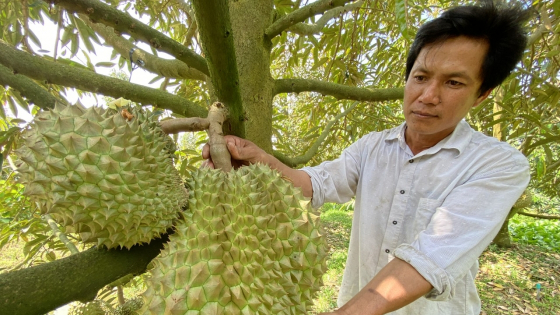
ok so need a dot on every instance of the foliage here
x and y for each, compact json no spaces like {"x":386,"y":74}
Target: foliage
{"x":544,"y":233}
{"x":360,"y":44}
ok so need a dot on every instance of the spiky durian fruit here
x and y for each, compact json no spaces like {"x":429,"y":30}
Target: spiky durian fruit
{"x":109,"y":179}
{"x":250,"y":244}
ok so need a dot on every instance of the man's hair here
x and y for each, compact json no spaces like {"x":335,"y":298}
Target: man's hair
{"x":500,"y":27}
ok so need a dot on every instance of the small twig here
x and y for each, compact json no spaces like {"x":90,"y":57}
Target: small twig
{"x":540,"y":216}
{"x":61,"y":236}
{"x":218,"y":149}
{"x":120,"y":295}
{"x":57,"y":40}
{"x":184,"y":124}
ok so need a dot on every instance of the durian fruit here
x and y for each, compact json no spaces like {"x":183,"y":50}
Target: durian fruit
{"x":90,"y":308}
{"x":105,"y":177}
{"x":250,"y":244}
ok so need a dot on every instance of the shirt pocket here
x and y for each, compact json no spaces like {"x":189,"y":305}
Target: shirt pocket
{"x":426,"y":209}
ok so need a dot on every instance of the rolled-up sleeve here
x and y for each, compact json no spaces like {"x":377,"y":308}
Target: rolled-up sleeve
{"x":336,"y":181}
{"x":465,"y":224}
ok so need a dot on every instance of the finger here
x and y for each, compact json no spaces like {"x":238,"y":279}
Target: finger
{"x":207,"y":164}
{"x":206,"y":151}
{"x":233,"y":150}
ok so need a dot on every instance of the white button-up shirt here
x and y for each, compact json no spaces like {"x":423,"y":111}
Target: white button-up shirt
{"x":437,"y":210}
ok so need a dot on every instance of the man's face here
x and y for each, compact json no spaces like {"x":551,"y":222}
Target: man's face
{"x":442,"y":87}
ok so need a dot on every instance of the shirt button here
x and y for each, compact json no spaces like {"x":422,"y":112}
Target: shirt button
{"x":402,"y":192}
{"x":411,"y":161}
{"x":387,"y":251}
{"x":395,"y":222}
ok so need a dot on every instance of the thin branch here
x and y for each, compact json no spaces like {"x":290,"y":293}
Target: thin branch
{"x":310,"y":29}
{"x":169,"y":68}
{"x":177,"y":125}
{"x":58,"y":29}
{"x":540,"y":216}
{"x":28,"y":88}
{"x":338,"y":91}
{"x":25,"y":38}
{"x":302,"y":159}
{"x":301,"y":15}
{"x":61,"y":236}
{"x":72,"y":76}
{"x":124,"y":23}
{"x":538,"y":78}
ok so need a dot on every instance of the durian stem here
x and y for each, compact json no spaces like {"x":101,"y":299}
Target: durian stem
{"x":218,"y":149}
{"x":63,"y":238}
{"x":120,"y":295}
{"x":184,"y":124}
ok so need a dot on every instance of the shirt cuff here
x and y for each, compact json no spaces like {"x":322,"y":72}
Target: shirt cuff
{"x":317,"y":196}
{"x":436,"y":276}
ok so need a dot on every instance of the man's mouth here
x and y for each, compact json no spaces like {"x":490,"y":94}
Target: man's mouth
{"x":423,"y":114}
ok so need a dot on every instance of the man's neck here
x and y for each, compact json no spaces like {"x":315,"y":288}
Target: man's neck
{"x":418,"y":143}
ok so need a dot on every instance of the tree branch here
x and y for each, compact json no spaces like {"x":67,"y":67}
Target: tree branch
{"x":42,"y":288}
{"x":52,"y":72}
{"x":310,"y":29}
{"x":338,"y":91}
{"x":540,"y":216}
{"x":301,"y":15}
{"x":215,"y":31}
{"x":164,"y":67}
{"x":184,"y":124}
{"x":28,"y":88}
{"x":124,"y":23}
{"x":302,"y":159}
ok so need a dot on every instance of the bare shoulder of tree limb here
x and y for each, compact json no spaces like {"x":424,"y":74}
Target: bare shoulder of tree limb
{"x":310,"y":29}
{"x":302,"y":14}
{"x":97,"y":11}
{"x":338,"y":91}
{"x":163,"y":67}
{"x":86,"y":80}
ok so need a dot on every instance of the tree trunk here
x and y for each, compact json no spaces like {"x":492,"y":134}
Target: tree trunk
{"x":238,"y":55}
{"x":503,"y":239}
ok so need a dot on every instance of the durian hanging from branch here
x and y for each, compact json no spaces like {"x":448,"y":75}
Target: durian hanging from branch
{"x":107,"y":178}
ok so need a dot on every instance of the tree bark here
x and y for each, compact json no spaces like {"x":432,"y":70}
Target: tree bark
{"x":503,"y":238}
{"x":238,"y":55}
{"x":337,"y":91}
{"x":42,"y":288}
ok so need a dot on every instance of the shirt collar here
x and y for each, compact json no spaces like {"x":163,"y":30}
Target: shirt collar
{"x":458,"y":139}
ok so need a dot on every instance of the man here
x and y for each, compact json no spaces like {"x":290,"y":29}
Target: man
{"x":432,"y":193}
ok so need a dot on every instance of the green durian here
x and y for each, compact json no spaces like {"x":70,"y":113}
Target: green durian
{"x":250,"y":244}
{"x":107,"y":178}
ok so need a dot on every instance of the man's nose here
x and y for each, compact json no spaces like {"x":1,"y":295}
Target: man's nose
{"x":431,"y":94}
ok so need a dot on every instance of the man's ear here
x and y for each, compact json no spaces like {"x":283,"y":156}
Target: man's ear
{"x":482,"y":97}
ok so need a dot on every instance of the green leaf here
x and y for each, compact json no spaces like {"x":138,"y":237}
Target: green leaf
{"x":33,"y":38}
{"x":401,"y":14}
{"x":105,"y":64}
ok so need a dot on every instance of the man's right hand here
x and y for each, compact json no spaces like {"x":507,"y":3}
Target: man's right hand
{"x":243,"y":152}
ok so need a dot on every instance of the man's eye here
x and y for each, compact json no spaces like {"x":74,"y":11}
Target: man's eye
{"x":455,"y":83}
{"x":419,"y":78}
